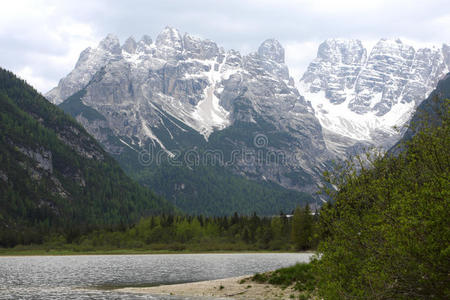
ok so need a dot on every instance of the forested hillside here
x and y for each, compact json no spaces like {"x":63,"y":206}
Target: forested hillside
{"x":56,"y":177}
{"x":215,"y":191}
{"x":196,"y":188}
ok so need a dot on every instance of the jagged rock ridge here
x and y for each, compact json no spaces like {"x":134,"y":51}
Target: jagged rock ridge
{"x":181,"y":86}
{"x":360,"y":97}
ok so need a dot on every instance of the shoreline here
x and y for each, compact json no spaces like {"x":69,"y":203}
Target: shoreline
{"x":241,"y":287}
{"x":21,"y":253}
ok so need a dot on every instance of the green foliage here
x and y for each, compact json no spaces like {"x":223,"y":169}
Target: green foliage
{"x":82,"y":186}
{"x":300,"y":275}
{"x":179,"y":233}
{"x":302,"y":228}
{"x":386,"y":236}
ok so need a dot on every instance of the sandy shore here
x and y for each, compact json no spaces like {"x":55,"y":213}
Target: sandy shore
{"x":235,"y":288}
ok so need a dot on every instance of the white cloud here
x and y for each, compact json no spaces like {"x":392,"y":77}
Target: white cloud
{"x":441,"y":25}
{"x":38,"y":82}
{"x":40,"y":43}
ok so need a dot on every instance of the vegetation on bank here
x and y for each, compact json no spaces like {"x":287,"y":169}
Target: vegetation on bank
{"x":300,"y":276}
{"x":194,"y":234}
{"x":387,"y":233}
{"x":41,"y":250}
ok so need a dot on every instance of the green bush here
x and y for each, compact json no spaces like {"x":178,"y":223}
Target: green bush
{"x":387,"y":236}
{"x":299,"y":275}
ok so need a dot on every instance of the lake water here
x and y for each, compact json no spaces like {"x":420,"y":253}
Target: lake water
{"x":96,"y":276}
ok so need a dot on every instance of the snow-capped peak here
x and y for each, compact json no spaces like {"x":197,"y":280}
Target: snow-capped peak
{"x":272,"y":49}
{"x":146,"y":39}
{"x":169,"y":43}
{"x":363,"y":97}
{"x":110,"y":44}
{"x":130,"y":45}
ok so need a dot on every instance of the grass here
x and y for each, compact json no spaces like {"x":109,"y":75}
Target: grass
{"x":300,"y":276}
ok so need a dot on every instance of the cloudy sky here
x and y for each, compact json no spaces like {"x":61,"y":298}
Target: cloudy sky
{"x":41,"y":39}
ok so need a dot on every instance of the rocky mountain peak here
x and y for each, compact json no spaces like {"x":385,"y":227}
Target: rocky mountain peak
{"x":146,"y":39}
{"x":335,"y":69}
{"x":181,"y":90}
{"x":84,"y":56}
{"x":110,"y":44}
{"x":169,"y":43}
{"x":392,"y":48}
{"x":271,"y":49}
{"x":130,"y":45}
{"x":169,"y":34}
{"x":362,"y":97}
{"x":446,"y":53}
{"x":198,"y":48}
{"x":342,"y":51}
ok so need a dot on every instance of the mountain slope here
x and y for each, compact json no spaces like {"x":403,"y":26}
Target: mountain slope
{"x":215,"y":191}
{"x":431,"y":112}
{"x":53,"y":175}
{"x":181,"y":94}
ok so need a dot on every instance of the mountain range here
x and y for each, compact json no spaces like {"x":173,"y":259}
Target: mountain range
{"x":186,"y":108}
{"x":361,"y":96}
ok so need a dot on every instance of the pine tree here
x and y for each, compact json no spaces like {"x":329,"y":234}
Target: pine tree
{"x":302,"y":228}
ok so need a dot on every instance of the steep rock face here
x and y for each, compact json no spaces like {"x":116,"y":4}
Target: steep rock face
{"x":361,"y":98}
{"x":89,"y":63}
{"x":336,"y":68}
{"x":182,"y":91}
{"x":262,"y":96}
{"x":130,"y":45}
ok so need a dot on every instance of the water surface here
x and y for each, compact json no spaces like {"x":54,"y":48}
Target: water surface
{"x":96,"y":276}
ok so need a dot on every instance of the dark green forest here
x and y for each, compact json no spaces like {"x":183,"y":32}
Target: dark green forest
{"x":54,"y":177}
{"x":216,"y":191}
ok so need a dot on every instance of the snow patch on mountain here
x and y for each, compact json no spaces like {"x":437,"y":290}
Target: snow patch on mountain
{"x":339,"y":119}
{"x":208,"y":112}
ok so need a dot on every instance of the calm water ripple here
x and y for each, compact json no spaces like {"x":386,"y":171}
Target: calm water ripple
{"x":96,"y":276}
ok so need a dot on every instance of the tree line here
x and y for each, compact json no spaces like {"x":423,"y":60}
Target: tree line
{"x":202,"y":233}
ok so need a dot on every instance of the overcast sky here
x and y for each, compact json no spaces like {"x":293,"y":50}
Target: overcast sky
{"x":41,"y":39}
